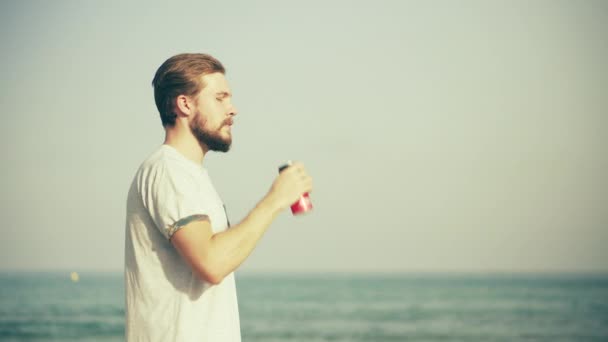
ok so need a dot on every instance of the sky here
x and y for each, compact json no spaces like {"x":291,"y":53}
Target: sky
{"x":441,"y":136}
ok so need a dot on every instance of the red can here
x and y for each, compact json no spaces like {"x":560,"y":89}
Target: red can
{"x":303,"y":205}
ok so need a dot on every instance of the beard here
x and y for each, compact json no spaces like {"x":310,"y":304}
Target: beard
{"x":212,"y":139}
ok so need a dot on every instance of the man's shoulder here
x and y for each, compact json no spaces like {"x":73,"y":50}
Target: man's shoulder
{"x":163,"y":161}
{"x":166,"y":166}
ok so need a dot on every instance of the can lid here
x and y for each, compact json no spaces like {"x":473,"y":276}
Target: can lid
{"x":286,"y":165}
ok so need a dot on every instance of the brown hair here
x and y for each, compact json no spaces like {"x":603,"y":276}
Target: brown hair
{"x":181,"y":75}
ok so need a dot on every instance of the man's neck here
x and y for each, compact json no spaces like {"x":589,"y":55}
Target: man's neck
{"x":186,"y":144}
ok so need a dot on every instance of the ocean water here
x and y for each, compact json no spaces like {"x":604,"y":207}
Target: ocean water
{"x":331,"y":307}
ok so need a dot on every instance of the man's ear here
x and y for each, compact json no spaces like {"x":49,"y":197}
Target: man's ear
{"x":183,"y":105}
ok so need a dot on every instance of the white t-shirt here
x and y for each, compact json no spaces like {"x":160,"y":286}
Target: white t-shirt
{"x":165,"y":300}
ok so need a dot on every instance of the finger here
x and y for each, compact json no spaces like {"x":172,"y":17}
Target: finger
{"x":294,"y":168}
{"x":308,"y":184}
{"x":298,"y":166}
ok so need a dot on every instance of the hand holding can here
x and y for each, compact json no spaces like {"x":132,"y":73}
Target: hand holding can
{"x":303,"y":204}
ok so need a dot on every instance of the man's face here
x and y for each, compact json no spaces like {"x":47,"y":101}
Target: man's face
{"x":212,"y":121}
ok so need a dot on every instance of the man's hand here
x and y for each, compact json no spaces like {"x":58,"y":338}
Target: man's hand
{"x":289,"y":185}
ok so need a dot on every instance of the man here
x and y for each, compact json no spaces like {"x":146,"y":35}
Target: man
{"x":180,"y":253}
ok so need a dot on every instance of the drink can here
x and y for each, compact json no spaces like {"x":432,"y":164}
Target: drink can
{"x":303,"y":204}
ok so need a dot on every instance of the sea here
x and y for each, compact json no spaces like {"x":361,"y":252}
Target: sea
{"x":50,"y":306}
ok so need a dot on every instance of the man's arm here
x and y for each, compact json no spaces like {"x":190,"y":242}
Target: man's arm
{"x":213,"y":256}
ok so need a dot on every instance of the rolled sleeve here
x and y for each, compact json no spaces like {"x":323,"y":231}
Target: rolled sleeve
{"x":172,"y":198}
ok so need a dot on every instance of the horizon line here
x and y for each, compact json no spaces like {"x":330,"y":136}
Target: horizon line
{"x":343,"y":271}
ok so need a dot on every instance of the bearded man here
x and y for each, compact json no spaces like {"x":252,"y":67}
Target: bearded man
{"x":180,"y":251}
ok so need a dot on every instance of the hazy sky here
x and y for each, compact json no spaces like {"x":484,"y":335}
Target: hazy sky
{"x":441,"y":135}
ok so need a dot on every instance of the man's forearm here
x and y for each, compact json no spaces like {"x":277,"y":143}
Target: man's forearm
{"x":231,"y":247}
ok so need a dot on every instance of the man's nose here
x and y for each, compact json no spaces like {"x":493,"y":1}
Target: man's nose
{"x":233,"y":111}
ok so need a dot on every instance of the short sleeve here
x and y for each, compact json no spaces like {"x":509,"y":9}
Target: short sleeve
{"x":171,"y":195}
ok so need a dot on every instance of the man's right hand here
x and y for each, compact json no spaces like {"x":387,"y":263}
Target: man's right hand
{"x":289,"y":185}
